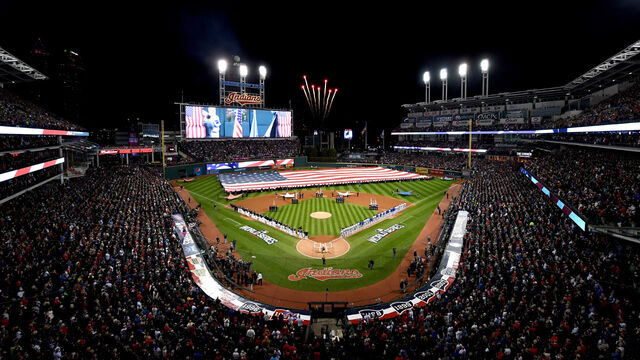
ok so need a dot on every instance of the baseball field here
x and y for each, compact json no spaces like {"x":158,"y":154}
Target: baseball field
{"x":279,"y":262}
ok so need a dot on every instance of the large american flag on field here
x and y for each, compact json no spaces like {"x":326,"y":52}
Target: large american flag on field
{"x":194,"y":119}
{"x":302,"y":178}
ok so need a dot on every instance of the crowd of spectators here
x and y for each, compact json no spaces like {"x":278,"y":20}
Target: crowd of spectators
{"x":16,"y":111}
{"x":15,"y":185}
{"x":435,"y":160}
{"x":622,"y":107}
{"x":26,"y":142}
{"x":602,"y":185}
{"x":14,"y":161}
{"x":626,"y":139}
{"x":93,"y":269}
{"x":237,"y":150}
{"x":530,"y":285}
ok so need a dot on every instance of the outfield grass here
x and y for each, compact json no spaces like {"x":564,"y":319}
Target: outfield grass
{"x":342,"y":215}
{"x":278,"y":260}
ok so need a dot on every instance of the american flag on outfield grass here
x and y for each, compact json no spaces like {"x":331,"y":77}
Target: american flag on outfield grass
{"x":291,"y":179}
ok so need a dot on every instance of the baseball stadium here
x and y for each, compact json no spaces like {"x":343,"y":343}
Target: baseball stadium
{"x":200,"y":183}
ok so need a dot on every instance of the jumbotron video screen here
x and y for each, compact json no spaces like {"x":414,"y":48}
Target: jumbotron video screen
{"x":218,"y":122}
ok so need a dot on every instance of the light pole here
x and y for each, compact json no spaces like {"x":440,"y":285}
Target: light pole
{"x":443,"y":78}
{"x":484,"y":67}
{"x":426,"y":77}
{"x":222,"y":69}
{"x":263,"y":75}
{"x":462,"y":71}
{"x":243,"y":77}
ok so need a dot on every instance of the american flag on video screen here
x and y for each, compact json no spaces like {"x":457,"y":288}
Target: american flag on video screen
{"x":237,"y":127}
{"x":194,"y":121}
{"x":289,"y":179}
{"x":284,"y":124}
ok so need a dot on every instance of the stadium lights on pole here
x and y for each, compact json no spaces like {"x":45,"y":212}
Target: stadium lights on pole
{"x":243,"y":75}
{"x":443,"y":78}
{"x":484,"y":67}
{"x":426,"y":77}
{"x":222,"y":66}
{"x":244,"y":70}
{"x":462,"y":71}
{"x":263,"y":75}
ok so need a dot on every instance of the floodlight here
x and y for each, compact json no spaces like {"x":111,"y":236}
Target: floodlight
{"x":426,"y":77}
{"x":243,"y":70}
{"x":222,"y":65}
{"x":443,"y":74}
{"x":263,"y":71}
{"x":484,"y":65}
{"x":462,"y":70}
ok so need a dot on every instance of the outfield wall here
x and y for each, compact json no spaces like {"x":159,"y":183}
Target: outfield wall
{"x":204,"y":168}
{"x":407,"y":168}
{"x":198,"y":169}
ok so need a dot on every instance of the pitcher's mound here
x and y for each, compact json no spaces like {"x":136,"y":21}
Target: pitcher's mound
{"x":320,"y":215}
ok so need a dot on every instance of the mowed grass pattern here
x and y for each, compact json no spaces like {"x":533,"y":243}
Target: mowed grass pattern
{"x":342,"y":215}
{"x":278,"y":260}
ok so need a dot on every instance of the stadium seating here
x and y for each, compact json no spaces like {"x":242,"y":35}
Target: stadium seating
{"x":16,"y":111}
{"x":235,"y":150}
{"x":603,"y":186}
{"x":108,"y":279}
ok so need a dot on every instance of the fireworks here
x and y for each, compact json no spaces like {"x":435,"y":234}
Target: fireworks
{"x":319,"y":99}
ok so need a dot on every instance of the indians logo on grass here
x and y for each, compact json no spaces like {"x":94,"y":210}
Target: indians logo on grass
{"x":327,"y":273}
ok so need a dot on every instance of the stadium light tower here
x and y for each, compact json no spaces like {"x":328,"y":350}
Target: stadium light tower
{"x":263,"y":75}
{"x":426,"y":77}
{"x":243,"y":76}
{"x":443,"y":78}
{"x":222,"y":69}
{"x":484,"y":67}
{"x":462,"y":71}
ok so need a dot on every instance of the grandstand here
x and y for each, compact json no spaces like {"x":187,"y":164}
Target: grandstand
{"x":532,"y":252}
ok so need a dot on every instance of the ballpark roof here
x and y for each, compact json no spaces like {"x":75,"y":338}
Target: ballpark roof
{"x":616,"y":68}
{"x":14,"y":70}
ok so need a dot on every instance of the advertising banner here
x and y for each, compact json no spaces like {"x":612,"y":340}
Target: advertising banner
{"x":436,"y":172}
{"x":423,"y":171}
{"x":510,"y":121}
{"x":406,"y":125}
{"x":466,"y":117}
{"x":536,"y":120}
{"x":443,"y":118}
{"x":487,"y":122}
{"x":217,"y":122}
{"x":514,"y":114}
{"x":424,"y":122}
{"x":449,"y":112}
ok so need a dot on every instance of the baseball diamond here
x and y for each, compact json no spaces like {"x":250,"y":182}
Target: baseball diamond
{"x":283,"y":258}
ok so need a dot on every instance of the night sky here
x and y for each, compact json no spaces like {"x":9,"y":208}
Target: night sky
{"x":140,"y":59}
